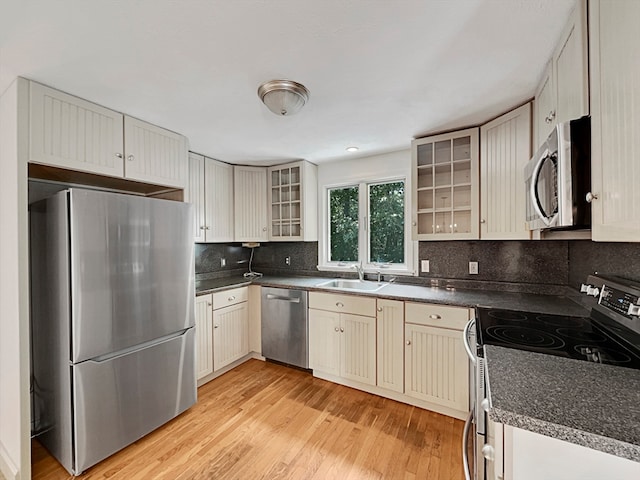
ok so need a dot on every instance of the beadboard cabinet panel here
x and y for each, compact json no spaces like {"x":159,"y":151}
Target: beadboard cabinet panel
{"x":324,"y":341}
{"x":218,"y":201}
{"x":195,"y":194}
{"x":204,"y":335}
{"x":358,"y":348}
{"x":230,"y":334}
{"x":250,"y":204}
{"x":390,"y":343}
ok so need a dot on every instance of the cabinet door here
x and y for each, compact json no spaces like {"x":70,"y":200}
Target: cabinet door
{"x":324,"y":341}
{"x":230,"y":334}
{"x":250,"y":204}
{"x":505,"y":150}
{"x":390,"y":342}
{"x":154,"y":155}
{"x":204,"y":336}
{"x":218,"y":200}
{"x":195,"y":194}
{"x":358,"y":348}
{"x":570,"y":71}
{"x":615,"y":119}
{"x":436,"y":366}
{"x":68,"y":132}
{"x":545,"y":107}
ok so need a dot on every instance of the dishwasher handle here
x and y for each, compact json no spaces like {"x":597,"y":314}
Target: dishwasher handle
{"x":270,"y":296}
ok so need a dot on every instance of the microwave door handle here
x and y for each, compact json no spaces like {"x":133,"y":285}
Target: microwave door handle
{"x":465,"y":445}
{"x":535,"y":200}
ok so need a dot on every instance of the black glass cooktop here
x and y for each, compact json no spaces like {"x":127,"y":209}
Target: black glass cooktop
{"x":579,"y":338}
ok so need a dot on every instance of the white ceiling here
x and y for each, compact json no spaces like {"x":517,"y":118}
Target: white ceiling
{"x":380,"y":72}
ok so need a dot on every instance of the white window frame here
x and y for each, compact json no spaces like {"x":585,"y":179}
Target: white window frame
{"x":409,"y":267}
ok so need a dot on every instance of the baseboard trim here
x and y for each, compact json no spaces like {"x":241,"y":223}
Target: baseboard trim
{"x":8,"y":469}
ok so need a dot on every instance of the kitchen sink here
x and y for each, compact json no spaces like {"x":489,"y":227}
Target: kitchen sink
{"x":359,"y":285}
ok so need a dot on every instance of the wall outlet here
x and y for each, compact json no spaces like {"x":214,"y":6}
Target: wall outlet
{"x":473,"y":268}
{"x":287,"y":260}
{"x":223,"y":262}
{"x":424,"y":266}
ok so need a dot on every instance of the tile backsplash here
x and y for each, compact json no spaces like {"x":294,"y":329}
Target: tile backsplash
{"x":512,"y":265}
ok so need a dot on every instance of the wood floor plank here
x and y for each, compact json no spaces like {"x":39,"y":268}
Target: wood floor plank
{"x":266,"y":421}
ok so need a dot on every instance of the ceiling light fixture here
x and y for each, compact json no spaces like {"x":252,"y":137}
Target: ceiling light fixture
{"x":283,"y":97}
{"x":352,"y":149}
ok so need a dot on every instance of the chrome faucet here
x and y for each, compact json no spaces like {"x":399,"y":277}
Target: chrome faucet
{"x":360,"y":270}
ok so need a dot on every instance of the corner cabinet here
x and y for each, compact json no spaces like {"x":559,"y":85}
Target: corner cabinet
{"x":505,"y":150}
{"x":72,"y":133}
{"x":293,"y":202}
{"x":445,"y":186}
{"x":210,"y":190}
{"x":615,"y":119}
{"x":250,"y":206}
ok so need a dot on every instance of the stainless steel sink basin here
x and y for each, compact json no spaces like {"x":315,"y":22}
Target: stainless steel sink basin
{"x":359,"y":285}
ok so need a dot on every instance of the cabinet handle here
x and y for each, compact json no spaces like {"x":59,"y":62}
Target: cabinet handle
{"x":206,"y":228}
{"x":339,"y":304}
{"x":216,"y":326}
{"x":131,"y":158}
{"x":414,"y":223}
{"x":264,"y":229}
{"x":201,"y":227}
{"x":408,"y":342}
{"x":341,"y":329}
{"x":119,"y":155}
{"x":379,"y":309}
{"x":337,"y":329}
{"x":209,"y":304}
{"x":549,"y":118}
{"x":434,"y":316}
{"x":231,"y":298}
{"x":591,"y":197}
{"x":483,"y":221}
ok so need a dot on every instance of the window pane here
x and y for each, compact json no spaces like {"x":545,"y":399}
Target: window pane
{"x":386,"y":225}
{"x":343,"y":217}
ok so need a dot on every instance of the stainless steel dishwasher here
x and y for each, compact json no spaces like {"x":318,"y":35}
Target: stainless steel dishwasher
{"x":285,"y":326}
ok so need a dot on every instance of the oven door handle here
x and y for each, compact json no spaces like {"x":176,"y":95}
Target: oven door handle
{"x":465,"y":340}
{"x":535,"y":198}
{"x":465,"y":446}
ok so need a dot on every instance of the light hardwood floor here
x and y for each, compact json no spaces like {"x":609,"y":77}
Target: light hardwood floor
{"x":263,"y":420}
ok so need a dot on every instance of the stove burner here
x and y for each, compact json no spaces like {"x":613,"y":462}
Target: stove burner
{"x":602,"y":355}
{"x":581,"y":335}
{"x":560,"y":321}
{"x":526,"y":336}
{"x":507,"y":315}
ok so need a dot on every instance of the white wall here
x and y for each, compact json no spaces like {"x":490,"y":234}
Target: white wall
{"x":15,"y":455}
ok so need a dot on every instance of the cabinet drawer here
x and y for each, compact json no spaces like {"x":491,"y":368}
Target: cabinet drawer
{"x":229,"y":297}
{"x":343,"y":303}
{"x":436,"y":315}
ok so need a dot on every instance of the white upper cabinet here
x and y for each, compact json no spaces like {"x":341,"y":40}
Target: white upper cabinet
{"x":194,"y":193}
{"x":250,"y":206}
{"x":154,"y":155}
{"x":563,"y":92}
{"x":505,"y":150}
{"x":445,"y":186}
{"x":615,"y":120}
{"x":293,"y":202}
{"x":68,"y":132}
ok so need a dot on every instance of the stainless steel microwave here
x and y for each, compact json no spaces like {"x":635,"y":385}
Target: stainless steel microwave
{"x":558,"y":178}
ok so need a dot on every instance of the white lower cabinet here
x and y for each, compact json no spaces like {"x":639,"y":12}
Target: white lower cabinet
{"x":390,"y":343}
{"x":204,"y":335}
{"x":341,"y":341}
{"x":230,"y":327}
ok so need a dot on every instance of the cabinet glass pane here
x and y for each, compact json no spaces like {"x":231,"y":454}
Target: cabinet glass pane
{"x":284,"y":176}
{"x":275,"y":195}
{"x":286,"y":230}
{"x":275,"y":229}
{"x":275,"y":178}
{"x":295,"y":175}
{"x":462,"y":221}
{"x":295,"y":193}
{"x":425,"y":154}
{"x":461,"y":148}
{"x":443,"y":198}
{"x":425,"y":177}
{"x":461,"y":172}
{"x":285,"y":194}
{"x":295,"y":229}
{"x":275,"y":212}
{"x":443,"y":175}
{"x":443,"y":152}
{"x":295,"y":210}
{"x":462,"y":197}
{"x":442,"y":222}
{"x":286,"y":211}
{"x":425,"y":223}
{"x":425,"y":199}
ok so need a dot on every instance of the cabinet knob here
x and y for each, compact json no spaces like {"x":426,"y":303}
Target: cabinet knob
{"x":339,"y":304}
{"x":414,"y":223}
{"x":131,"y":158}
{"x":231,"y":298}
{"x":435,"y":316}
{"x":483,"y":221}
{"x":201,"y":227}
{"x":590,"y":197}
{"x":488,"y":452}
{"x":209,"y":304}
{"x":264,"y":229}
{"x":216,"y":326}
{"x":408,"y":342}
{"x":119,"y":155}
{"x":341,"y":329}
{"x":206,"y":228}
{"x":337,"y":329}
{"x":549,"y":118}
{"x":379,"y":309}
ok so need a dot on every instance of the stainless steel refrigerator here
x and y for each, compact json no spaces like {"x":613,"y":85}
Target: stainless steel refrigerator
{"x":112,"y":313}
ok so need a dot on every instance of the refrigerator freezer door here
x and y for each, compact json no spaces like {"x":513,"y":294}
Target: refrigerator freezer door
{"x":121,"y":399}
{"x":132,"y":271}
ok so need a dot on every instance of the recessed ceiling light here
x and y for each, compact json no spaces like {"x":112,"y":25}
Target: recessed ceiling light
{"x":352,"y":149}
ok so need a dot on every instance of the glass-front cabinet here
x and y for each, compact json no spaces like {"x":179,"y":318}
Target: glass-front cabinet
{"x":445,"y":186}
{"x":293,"y":202}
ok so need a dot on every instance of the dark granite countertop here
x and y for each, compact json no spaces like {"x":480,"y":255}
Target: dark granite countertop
{"x":589,"y":404}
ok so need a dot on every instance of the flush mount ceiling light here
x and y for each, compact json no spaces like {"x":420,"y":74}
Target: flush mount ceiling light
{"x":352,"y":149}
{"x":283,"y":97}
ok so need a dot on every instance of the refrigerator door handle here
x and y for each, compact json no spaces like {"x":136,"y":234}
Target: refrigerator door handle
{"x":137,"y":348}
{"x":465,"y":446}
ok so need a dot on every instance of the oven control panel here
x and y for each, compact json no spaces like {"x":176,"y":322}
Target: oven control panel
{"x":620,"y":302}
